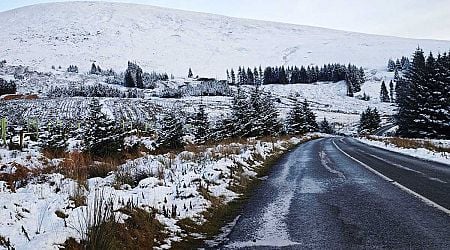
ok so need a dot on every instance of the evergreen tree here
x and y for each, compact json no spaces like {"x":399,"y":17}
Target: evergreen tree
{"x":282,"y":76}
{"x":240,"y":115}
{"x":171,"y":134}
{"x":250,"y":77}
{"x":398,"y":65}
{"x":201,"y":125}
{"x":233,"y":77}
{"x":296,"y":119}
{"x":94,"y":69}
{"x":384,"y":94}
{"x":55,"y":139}
{"x":190,"y":74}
{"x":412,"y":97}
{"x":310,"y":118}
{"x":101,"y":138}
{"x":391,"y":65}
{"x":436,"y":115}
{"x":257,"y":80}
{"x":129,"y":81}
{"x":369,"y":121}
{"x":325,"y":127}
{"x":301,"y":119}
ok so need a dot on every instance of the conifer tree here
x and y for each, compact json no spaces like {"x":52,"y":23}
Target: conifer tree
{"x":129,"y":81}
{"x":93,"y":69}
{"x":391,"y":65}
{"x":233,"y":77}
{"x":171,"y":134}
{"x":296,"y":119}
{"x":325,"y":127}
{"x":102,"y":137}
{"x":310,"y":118}
{"x":200,"y":125}
{"x":301,"y":119}
{"x":384,"y":94}
{"x":190,"y":74}
{"x":369,"y":121}
{"x":412,"y":97}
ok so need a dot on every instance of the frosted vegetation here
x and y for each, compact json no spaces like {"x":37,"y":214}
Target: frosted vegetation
{"x":96,"y":151}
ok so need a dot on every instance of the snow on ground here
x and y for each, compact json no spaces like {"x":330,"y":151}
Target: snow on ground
{"x":165,"y":40}
{"x":28,"y":218}
{"x":421,"y":153}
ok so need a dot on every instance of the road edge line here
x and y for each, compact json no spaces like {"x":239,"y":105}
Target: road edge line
{"x":422,"y":198}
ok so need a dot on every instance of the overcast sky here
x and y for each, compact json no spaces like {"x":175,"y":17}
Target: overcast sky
{"x":405,"y":18}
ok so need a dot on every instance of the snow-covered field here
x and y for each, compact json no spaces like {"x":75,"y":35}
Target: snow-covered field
{"x":172,"y":41}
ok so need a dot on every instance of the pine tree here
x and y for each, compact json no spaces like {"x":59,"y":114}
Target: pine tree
{"x":171,"y":134}
{"x":201,"y":125}
{"x":233,"y":77}
{"x":93,"y":69}
{"x":101,"y":138}
{"x":413,"y":96}
{"x":269,"y":115}
{"x":56,"y":138}
{"x":391,"y":65}
{"x":256,"y":76}
{"x":310,"y":118}
{"x":301,"y":119}
{"x":384,"y":94}
{"x":250,"y":77}
{"x":129,"y":81}
{"x":369,"y":121}
{"x":325,"y":127}
{"x":139,"y":80}
{"x":398,"y":65}
{"x":296,"y":119}
{"x":190,"y":74}
{"x":282,"y":76}
{"x":240,"y":115}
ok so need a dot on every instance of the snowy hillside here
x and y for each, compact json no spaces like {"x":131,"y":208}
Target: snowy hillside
{"x":170,"y":40}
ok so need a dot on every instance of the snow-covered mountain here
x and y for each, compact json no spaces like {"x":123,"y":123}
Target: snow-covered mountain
{"x":171,"y":40}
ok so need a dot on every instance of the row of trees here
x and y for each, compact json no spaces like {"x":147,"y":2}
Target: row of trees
{"x":423,"y":97}
{"x":252,"y":115}
{"x":353,"y":75}
{"x":294,"y":74}
{"x":96,"y":90}
{"x":399,"y":64}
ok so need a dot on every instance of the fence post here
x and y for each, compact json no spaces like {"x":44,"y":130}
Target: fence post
{"x":4,"y":125}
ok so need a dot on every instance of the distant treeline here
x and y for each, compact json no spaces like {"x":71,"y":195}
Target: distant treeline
{"x":353,"y":75}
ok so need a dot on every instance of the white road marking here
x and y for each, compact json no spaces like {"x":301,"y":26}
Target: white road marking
{"x":422,"y":198}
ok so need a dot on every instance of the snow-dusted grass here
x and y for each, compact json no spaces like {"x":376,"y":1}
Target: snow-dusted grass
{"x":178,"y":185}
{"x":433,"y":150}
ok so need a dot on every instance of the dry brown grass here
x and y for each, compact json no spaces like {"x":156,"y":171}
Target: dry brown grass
{"x":141,"y":230}
{"x":22,"y":176}
{"x":411,"y":143}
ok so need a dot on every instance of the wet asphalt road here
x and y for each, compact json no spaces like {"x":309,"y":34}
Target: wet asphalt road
{"x":316,"y":197}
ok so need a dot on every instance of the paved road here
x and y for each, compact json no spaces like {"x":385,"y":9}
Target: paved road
{"x":381,"y":131}
{"x":317,"y":197}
